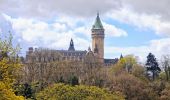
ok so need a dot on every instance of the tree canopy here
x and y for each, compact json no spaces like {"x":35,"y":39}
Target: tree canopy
{"x":78,"y":92}
{"x":152,"y":65}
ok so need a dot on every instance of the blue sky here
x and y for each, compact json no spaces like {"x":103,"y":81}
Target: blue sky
{"x":131,"y":27}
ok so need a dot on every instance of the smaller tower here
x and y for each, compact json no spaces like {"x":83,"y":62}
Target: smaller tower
{"x":89,"y":49}
{"x":121,"y":56}
{"x":71,"y":47}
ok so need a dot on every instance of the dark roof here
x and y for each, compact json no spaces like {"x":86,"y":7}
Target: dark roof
{"x":76,"y":51}
{"x":111,"y":61}
{"x":72,"y":53}
{"x":71,"y":47}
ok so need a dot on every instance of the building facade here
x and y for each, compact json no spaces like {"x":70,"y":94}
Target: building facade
{"x":97,"y":52}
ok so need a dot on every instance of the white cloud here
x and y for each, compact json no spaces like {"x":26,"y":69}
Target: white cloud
{"x":158,"y":47}
{"x":55,"y":35}
{"x":85,"y":31}
{"x":111,"y":30}
{"x":58,"y":33}
{"x":145,"y":14}
{"x":59,"y":26}
{"x":143,"y":21}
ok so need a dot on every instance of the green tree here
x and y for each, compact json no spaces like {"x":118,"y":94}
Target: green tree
{"x":8,"y":94}
{"x":73,"y":80}
{"x":139,"y":72}
{"x":125,"y":64}
{"x":9,"y":67}
{"x":152,"y":65}
{"x":78,"y":92}
{"x":24,"y":90}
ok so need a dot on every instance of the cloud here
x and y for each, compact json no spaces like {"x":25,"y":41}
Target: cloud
{"x":150,"y":7}
{"x":57,"y":34}
{"x":142,"y":21}
{"x":144,"y":14}
{"x":113,"y":31}
{"x":5,"y":26}
{"x":54,"y":35}
{"x":51,"y":8}
{"x":158,"y":47}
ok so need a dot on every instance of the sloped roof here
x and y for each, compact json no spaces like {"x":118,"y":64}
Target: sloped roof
{"x":97,"y":24}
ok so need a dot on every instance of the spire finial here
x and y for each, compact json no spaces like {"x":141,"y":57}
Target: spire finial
{"x":98,"y":13}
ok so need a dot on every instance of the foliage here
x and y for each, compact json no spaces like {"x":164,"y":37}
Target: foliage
{"x":125,"y":64}
{"x":6,"y":93}
{"x":152,"y":65}
{"x":9,"y":62}
{"x":157,"y":86}
{"x":24,"y":90}
{"x":166,"y":66}
{"x":132,"y":87}
{"x":73,"y":80}
{"x":9,"y":67}
{"x":165,"y":94}
{"x":139,"y":72}
{"x":8,"y":71}
{"x":81,"y":92}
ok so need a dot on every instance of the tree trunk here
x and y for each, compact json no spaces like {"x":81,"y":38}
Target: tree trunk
{"x":153,"y":75}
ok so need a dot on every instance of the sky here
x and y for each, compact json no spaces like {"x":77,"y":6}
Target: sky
{"x":131,"y":26}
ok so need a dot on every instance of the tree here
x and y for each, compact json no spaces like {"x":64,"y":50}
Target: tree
{"x":73,"y":80}
{"x":9,"y":61}
{"x":139,"y":72}
{"x":78,"y":92}
{"x":9,"y":67}
{"x":132,"y":87}
{"x":8,"y":94}
{"x":130,"y":61}
{"x":165,"y":94}
{"x":125,"y":64}
{"x":24,"y":90}
{"x":166,"y":66}
{"x":152,"y":65}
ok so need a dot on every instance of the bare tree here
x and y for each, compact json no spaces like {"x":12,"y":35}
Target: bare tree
{"x":166,"y":66}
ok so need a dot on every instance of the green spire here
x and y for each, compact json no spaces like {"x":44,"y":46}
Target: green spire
{"x":97,"y":24}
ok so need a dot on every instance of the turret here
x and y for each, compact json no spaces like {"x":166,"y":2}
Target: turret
{"x":71,"y":47}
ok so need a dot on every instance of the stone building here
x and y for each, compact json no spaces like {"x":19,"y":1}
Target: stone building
{"x":72,"y":54}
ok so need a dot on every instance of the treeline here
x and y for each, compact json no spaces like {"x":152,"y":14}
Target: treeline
{"x":88,"y":80}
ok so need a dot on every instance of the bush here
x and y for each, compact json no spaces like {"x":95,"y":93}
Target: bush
{"x":7,"y":93}
{"x":78,"y":92}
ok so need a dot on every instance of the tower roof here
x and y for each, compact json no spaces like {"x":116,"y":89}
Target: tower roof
{"x":71,"y":47}
{"x":121,"y":56}
{"x":97,"y":24}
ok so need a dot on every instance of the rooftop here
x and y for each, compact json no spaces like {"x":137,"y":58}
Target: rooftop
{"x":97,"y":24}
